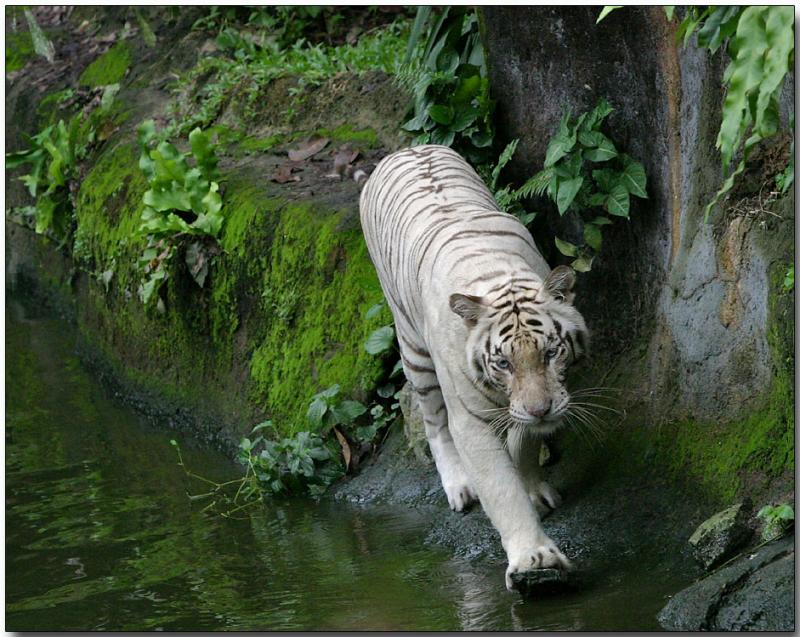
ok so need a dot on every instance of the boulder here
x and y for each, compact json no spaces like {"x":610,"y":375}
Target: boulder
{"x":756,"y":592}
{"x":717,"y":538}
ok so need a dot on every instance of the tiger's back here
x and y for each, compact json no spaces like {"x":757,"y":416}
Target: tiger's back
{"x":428,"y":217}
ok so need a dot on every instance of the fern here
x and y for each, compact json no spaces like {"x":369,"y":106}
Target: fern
{"x":535,"y":186}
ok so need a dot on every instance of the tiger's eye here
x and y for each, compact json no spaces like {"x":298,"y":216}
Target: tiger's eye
{"x":550,"y":354}
{"x":502,"y":363}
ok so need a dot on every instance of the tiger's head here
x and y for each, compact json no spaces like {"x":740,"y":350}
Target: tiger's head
{"x":521,"y":342}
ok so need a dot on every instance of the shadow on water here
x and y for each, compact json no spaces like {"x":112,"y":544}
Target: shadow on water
{"x":101,"y":536}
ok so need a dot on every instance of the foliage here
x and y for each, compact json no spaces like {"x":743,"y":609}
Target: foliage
{"x":788,"y":281}
{"x":761,"y":47}
{"x":253,"y":59}
{"x":381,"y":340}
{"x":606,"y":10}
{"x":448,"y":79}
{"x":778,"y":520}
{"x":584,"y":173}
{"x":53,"y":157}
{"x":328,"y":409}
{"x":41,"y":44}
{"x":182,"y":200}
{"x":296,"y":465}
{"x":508,"y":198}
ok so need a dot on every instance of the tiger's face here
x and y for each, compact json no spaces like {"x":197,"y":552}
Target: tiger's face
{"x":521,"y":344}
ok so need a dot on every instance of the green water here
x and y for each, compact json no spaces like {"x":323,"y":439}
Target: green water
{"x":101,"y":536}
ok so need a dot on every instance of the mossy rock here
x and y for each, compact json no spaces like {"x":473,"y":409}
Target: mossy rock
{"x":109,"y":68}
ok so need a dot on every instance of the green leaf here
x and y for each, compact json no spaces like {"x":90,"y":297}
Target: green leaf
{"x":606,"y":10}
{"x":634,"y":178}
{"x":380,"y":341}
{"x":397,"y":369}
{"x":203,"y":152}
{"x":669,"y":10}
{"x":316,"y":411}
{"x":605,"y":178}
{"x":618,"y":202}
{"x":601,"y":221}
{"x":567,"y":190}
{"x":603,"y":152}
{"x":566,"y":248}
{"x":593,"y":236}
{"x":441,"y":114}
{"x":352,"y":409}
{"x":374,"y":311}
{"x":563,"y":142}
{"x":582,"y":264}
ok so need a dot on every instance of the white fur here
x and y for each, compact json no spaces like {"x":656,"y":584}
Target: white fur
{"x":433,"y":230}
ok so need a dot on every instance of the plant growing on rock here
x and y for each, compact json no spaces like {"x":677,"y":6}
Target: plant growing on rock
{"x":760,"y":43}
{"x":449,"y":82}
{"x":183,"y":201}
{"x":778,"y":519}
{"x":53,"y":158}
{"x":584,"y":174}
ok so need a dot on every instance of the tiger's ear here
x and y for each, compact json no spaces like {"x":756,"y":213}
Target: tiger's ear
{"x":468,"y":307}
{"x":560,"y":283}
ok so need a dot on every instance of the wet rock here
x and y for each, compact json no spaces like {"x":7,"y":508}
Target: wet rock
{"x":721,"y":535}
{"x":756,"y":592}
{"x":542,"y":581}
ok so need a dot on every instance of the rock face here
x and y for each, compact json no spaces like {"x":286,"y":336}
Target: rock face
{"x":754,"y":593}
{"x":718,"y":537}
{"x":688,"y":316}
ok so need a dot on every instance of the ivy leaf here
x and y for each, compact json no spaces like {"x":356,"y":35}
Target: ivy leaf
{"x":582,"y":264}
{"x":561,"y":144}
{"x":634,"y":178}
{"x":566,"y":248}
{"x":380,"y":340}
{"x":601,"y":221}
{"x":593,"y":236}
{"x":618,"y":202}
{"x":567,"y":190}
{"x":601,"y":147}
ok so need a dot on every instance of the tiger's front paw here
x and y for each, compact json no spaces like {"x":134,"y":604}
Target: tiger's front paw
{"x":539,"y":555}
{"x":459,"y":493}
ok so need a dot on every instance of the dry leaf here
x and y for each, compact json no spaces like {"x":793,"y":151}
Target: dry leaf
{"x":309,"y":149}
{"x":284,"y":174}
{"x":346,"y":453}
{"x":341,"y":163}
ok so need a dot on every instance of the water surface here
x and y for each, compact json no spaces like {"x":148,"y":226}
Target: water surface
{"x":100,"y":534}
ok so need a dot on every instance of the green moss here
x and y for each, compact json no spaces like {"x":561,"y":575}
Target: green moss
{"x":109,"y":68}
{"x":319,"y":283}
{"x":254,"y":144}
{"x":19,"y":49}
{"x":722,"y":455}
{"x":366,"y":138}
{"x":108,"y":210}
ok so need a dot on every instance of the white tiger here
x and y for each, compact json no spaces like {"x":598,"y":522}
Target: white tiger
{"x":486,"y":332}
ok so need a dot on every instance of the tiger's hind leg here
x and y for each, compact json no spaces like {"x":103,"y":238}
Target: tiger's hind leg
{"x":422,"y":376}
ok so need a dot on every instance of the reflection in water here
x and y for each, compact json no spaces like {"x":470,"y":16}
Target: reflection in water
{"x":101,"y":536}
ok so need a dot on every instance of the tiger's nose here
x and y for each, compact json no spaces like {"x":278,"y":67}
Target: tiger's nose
{"x":539,"y":409}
